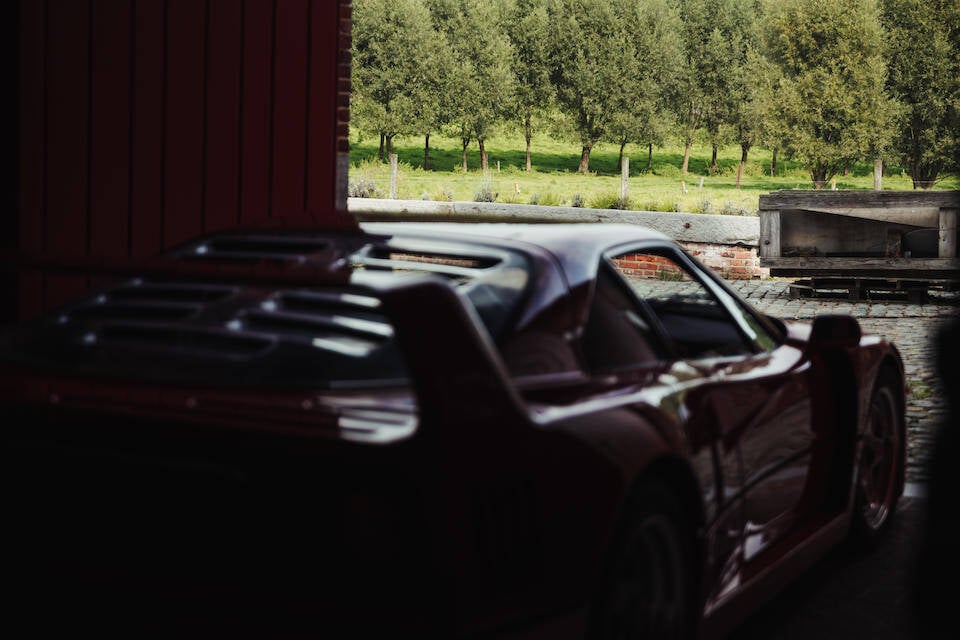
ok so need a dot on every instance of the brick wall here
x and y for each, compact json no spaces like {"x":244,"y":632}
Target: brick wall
{"x":730,"y":261}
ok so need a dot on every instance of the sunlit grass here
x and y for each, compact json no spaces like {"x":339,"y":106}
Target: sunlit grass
{"x":555,"y":180}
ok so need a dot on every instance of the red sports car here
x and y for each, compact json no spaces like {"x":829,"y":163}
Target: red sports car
{"x":434,"y":430}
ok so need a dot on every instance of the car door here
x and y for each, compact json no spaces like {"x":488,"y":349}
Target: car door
{"x":755,"y":392}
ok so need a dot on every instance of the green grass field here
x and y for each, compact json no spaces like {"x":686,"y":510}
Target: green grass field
{"x":554,"y":179}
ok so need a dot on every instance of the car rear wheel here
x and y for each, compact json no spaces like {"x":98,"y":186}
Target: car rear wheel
{"x":880,"y":460}
{"x":649,"y":587}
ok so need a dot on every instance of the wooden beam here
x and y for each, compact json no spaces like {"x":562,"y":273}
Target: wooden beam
{"x":879,"y":263}
{"x":913,"y":216}
{"x":770,"y":234}
{"x":948,"y":233}
{"x":796,"y":199}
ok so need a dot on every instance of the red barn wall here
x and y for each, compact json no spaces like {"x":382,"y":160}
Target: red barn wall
{"x":145,"y":122}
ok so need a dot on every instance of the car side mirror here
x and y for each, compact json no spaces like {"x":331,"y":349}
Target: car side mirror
{"x":834,"y":332}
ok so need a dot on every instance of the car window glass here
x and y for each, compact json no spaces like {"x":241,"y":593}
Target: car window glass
{"x":617,"y":334}
{"x":691,"y":317}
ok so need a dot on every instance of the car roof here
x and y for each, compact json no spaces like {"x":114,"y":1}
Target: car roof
{"x":576,"y":246}
{"x":553,"y":237}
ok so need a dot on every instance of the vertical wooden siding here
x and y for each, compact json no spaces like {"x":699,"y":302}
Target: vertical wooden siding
{"x":146,"y":122}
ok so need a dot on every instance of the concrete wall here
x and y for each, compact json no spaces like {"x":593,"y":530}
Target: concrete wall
{"x":726,"y":244}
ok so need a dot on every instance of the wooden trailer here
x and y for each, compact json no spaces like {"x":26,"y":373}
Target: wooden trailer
{"x":861,"y":241}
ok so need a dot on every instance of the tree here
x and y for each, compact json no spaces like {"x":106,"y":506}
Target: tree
{"x":717,"y":36}
{"x":528,"y":27}
{"x":830,"y":96}
{"x":480,"y":90}
{"x":925,"y":78}
{"x":590,"y":49}
{"x":759,"y":113}
{"x":643,"y":114}
{"x":395,"y":69}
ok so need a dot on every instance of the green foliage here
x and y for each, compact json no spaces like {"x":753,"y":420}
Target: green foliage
{"x":718,"y":35}
{"x":398,"y":70}
{"x":534,"y":95}
{"x":829,"y":93}
{"x":666,"y":170}
{"x":592,"y":59}
{"x":733,"y":209}
{"x":649,"y":68}
{"x":925,"y":77}
{"x":482,"y":83}
{"x":819,"y":80}
{"x":485,"y":192}
{"x":550,"y":199}
{"x":363,"y":187}
{"x":609,"y":201}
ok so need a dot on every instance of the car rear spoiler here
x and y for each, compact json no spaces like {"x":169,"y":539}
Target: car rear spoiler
{"x":458,"y":374}
{"x":456,"y":371}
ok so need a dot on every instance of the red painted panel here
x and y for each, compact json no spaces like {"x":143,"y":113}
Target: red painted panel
{"x":31,"y":158}
{"x":225,"y":39}
{"x":110,"y":133}
{"x":178,"y":115}
{"x":146,"y":197}
{"x":68,"y":139}
{"x":183,"y":166}
{"x":290,"y":109}
{"x":321,"y":168}
{"x":255,"y":140}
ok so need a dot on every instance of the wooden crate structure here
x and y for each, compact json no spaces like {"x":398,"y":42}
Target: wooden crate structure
{"x":909,"y":235}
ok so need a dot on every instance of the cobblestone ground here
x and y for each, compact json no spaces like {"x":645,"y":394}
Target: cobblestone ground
{"x":912,"y":327}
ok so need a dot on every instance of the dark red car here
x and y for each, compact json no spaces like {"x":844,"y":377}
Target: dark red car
{"x":435,"y":430}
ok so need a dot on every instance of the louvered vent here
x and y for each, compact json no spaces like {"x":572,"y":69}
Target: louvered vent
{"x":256,"y":248}
{"x":347,"y":323}
{"x":182,"y":340}
{"x":463,"y":266}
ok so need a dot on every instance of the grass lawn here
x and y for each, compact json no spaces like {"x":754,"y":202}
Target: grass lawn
{"x":554,"y":179}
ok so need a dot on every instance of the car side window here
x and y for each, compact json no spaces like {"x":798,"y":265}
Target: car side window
{"x":618,"y":334}
{"x":690,"y":316}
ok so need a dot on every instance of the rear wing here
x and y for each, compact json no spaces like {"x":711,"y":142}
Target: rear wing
{"x":241,"y":343}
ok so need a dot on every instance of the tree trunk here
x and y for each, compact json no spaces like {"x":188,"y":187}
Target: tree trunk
{"x":390,"y":144}
{"x":713,"y":159}
{"x":819,"y":176}
{"x":463,"y":156}
{"x":483,"y":155}
{"x":773,"y":163}
{"x":620,"y":159}
{"x":585,"y":158}
{"x":528,"y":135}
{"x":426,"y":152}
{"x":686,"y":157}
{"x":649,"y":156}
{"x":923,"y":176}
{"x":744,"y":150}
{"x":382,"y":154}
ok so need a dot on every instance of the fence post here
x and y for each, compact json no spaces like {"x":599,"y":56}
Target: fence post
{"x":393,"y":176}
{"x":624,"y":179}
{"x":878,"y":174}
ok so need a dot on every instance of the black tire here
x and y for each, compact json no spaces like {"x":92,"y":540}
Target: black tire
{"x":880,"y":464}
{"x":649,"y":587}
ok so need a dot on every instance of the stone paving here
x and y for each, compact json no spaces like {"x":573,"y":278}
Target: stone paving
{"x":912,"y":327}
